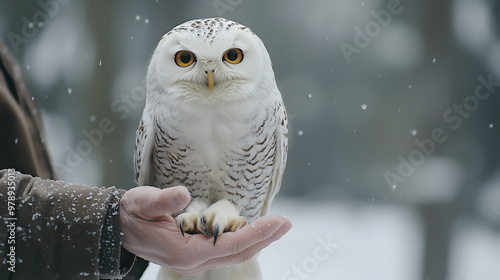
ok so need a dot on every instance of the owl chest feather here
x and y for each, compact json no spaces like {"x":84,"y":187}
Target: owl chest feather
{"x":210,"y":149}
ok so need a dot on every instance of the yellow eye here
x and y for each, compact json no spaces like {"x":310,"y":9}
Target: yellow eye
{"x":233,"y":56}
{"x":184,"y":58}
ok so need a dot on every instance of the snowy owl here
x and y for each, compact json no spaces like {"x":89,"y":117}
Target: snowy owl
{"x":215,"y":122}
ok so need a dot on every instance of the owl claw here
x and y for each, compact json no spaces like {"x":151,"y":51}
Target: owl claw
{"x":181,"y":224}
{"x":203,"y":220}
{"x":189,"y":219}
{"x":220,"y":217}
{"x":216,"y":233}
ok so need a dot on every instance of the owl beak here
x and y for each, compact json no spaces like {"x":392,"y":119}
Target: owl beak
{"x":211,"y":80}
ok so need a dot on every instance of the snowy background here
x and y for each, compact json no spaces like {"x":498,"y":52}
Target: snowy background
{"x":372,"y":241}
{"x":394,"y":151}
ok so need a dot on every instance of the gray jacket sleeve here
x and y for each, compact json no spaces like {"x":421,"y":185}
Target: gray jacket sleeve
{"x":55,"y":230}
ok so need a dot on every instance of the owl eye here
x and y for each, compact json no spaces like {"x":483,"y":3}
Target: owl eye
{"x":233,"y":56}
{"x":184,"y":58}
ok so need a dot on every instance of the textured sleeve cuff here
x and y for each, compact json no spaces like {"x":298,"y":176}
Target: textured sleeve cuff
{"x":114,"y":260}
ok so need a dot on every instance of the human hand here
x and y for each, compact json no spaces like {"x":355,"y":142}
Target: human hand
{"x":150,"y":232}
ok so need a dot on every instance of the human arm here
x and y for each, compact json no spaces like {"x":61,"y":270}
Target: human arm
{"x":59,"y":228}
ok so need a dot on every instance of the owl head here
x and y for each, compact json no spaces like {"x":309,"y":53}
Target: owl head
{"x":210,"y":59}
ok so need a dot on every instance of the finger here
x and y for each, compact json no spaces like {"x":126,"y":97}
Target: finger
{"x":262,"y":229}
{"x":244,"y":255}
{"x":266,"y":229}
{"x":151,"y":203}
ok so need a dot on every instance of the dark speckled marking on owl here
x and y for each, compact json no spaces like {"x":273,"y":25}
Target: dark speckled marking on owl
{"x":209,"y":28}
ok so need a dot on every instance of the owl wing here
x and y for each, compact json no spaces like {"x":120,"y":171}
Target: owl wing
{"x":143,"y":157}
{"x":280,"y":154}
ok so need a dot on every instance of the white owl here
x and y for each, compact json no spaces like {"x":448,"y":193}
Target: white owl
{"x":215,"y":122}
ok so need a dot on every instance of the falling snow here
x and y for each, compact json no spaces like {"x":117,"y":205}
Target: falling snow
{"x":406,"y":115}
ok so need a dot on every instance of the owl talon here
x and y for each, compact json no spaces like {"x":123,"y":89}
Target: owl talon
{"x":189,"y":219}
{"x":203,"y":220}
{"x":216,"y":233}
{"x":181,"y":225}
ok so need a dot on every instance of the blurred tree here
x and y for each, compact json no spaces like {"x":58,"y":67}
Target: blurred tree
{"x":102,"y":18}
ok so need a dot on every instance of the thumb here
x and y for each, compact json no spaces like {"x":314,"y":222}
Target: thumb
{"x":151,"y":203}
